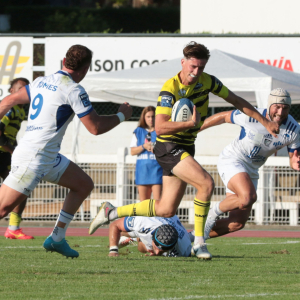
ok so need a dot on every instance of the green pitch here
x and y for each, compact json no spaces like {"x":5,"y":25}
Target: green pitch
{"x":256,"y":268}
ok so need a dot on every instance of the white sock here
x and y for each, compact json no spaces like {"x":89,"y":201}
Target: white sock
{"x":217,"y":209}
{"x":113,"y":214}
{"x":59,"y":233}
{"x":199,"y":240}
{"x":13,"y":227}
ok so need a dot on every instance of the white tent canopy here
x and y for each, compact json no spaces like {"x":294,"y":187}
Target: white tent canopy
{"x":247,"y":78}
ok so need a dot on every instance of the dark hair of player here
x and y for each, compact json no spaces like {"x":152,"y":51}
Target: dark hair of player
{"x":142,"y":122}
{"x":14,"y":81}
{"x":196,"y":50}
{"x":78,"y":56}
{"x":165,"y":237}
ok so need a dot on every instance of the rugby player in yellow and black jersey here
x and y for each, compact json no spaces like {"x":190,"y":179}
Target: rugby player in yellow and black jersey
{"x":198,"y":93}
{"x":175,"y":149}
{"x":9,"y":127}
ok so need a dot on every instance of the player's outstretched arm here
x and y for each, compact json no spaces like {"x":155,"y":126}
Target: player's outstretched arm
{"x":295,"y":160}
{"x":250,"y":111}
{"x":115,"y":229}
{"x":96,"y":124}
{"x":217,"y":119}
{"x":20,"y":97}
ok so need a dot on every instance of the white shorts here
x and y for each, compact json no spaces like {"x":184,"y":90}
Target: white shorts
{"x":229,"y":166}
{"x":27,"y":171}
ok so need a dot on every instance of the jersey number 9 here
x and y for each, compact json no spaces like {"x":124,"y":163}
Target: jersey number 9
{"x":37,"y":104}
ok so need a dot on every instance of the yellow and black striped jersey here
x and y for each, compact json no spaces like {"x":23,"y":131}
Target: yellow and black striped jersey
{"x":173,"y":90}
{"x":12,"y":121}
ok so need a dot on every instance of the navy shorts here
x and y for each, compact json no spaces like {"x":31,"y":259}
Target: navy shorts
{"x":169,"y":154}
{"x":5,"y":161}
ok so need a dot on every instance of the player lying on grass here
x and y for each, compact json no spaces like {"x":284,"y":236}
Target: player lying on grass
{"x":155,"y":235}
{"x":239,"y":162}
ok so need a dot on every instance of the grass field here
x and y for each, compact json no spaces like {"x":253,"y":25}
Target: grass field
{"x":257,"y":268}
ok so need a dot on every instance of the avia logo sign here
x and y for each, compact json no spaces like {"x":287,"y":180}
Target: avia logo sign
{"x":279,"y":63}
{"x":11,"y":62}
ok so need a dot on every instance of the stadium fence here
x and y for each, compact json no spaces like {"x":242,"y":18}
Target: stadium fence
{"x":114,"y":175}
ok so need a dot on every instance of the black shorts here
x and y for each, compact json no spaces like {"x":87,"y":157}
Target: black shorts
{"x":5,"y":161}
{"x":168,"y":155}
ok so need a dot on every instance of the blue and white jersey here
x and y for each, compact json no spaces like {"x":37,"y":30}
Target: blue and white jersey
{"x":54,"y":100}
{"x":143,"y":227}
{"x":255,"y":144}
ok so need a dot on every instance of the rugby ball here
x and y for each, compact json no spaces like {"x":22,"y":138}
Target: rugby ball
{"x":182,"y":110}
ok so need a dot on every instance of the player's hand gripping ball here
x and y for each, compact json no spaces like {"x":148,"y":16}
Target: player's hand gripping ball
{"x":182,"y":110}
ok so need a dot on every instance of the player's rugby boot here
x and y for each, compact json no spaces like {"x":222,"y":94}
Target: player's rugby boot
{"x":102,"y":217}
{"x":61,"y":247}
{"x":209,"y":224}
{"x":17,"y":235}
{"x":125,"y":241}
{"x":200,"y":250}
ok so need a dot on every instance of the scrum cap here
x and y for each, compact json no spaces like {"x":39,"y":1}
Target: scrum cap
{"x":165,"y":237}
{"x":279,"y":96}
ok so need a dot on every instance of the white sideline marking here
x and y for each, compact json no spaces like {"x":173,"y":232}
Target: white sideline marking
{"x":282,"y":243}
{"x":227,"y":296}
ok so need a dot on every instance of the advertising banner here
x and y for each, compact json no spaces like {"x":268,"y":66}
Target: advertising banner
{"x":116,"y":53}
{"x":16,"y":60}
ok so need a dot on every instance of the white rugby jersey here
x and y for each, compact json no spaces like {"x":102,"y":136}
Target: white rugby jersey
{"x":255,"y":144}
{"x":143,"y":227}
{"x":54,"y":100}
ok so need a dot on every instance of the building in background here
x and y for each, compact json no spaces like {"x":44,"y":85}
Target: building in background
{"x":243,"y":17}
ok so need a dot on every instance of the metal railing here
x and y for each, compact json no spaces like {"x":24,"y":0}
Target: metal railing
{"x":278,"y":192}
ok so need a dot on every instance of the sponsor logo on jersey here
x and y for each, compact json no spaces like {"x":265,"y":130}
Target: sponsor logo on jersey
{"x":166,"y":101}
{"x":268,"y":136}
{"x":198,"y":86}
{"x":145,"y":230}
{"x":48,"y":86}
{"x":85,"y":99}
{"x":251,"y":135}
{"x":267,"y":142}
{"x":182,"y":92}
{"x":278,"y":145}
{"x":258,"y":159}
{"x":130,"y":221}
{"x":32,"y":128}
{"x":175,"y":153}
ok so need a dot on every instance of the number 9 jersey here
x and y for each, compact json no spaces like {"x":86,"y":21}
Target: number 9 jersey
{"x":54,"y":100}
